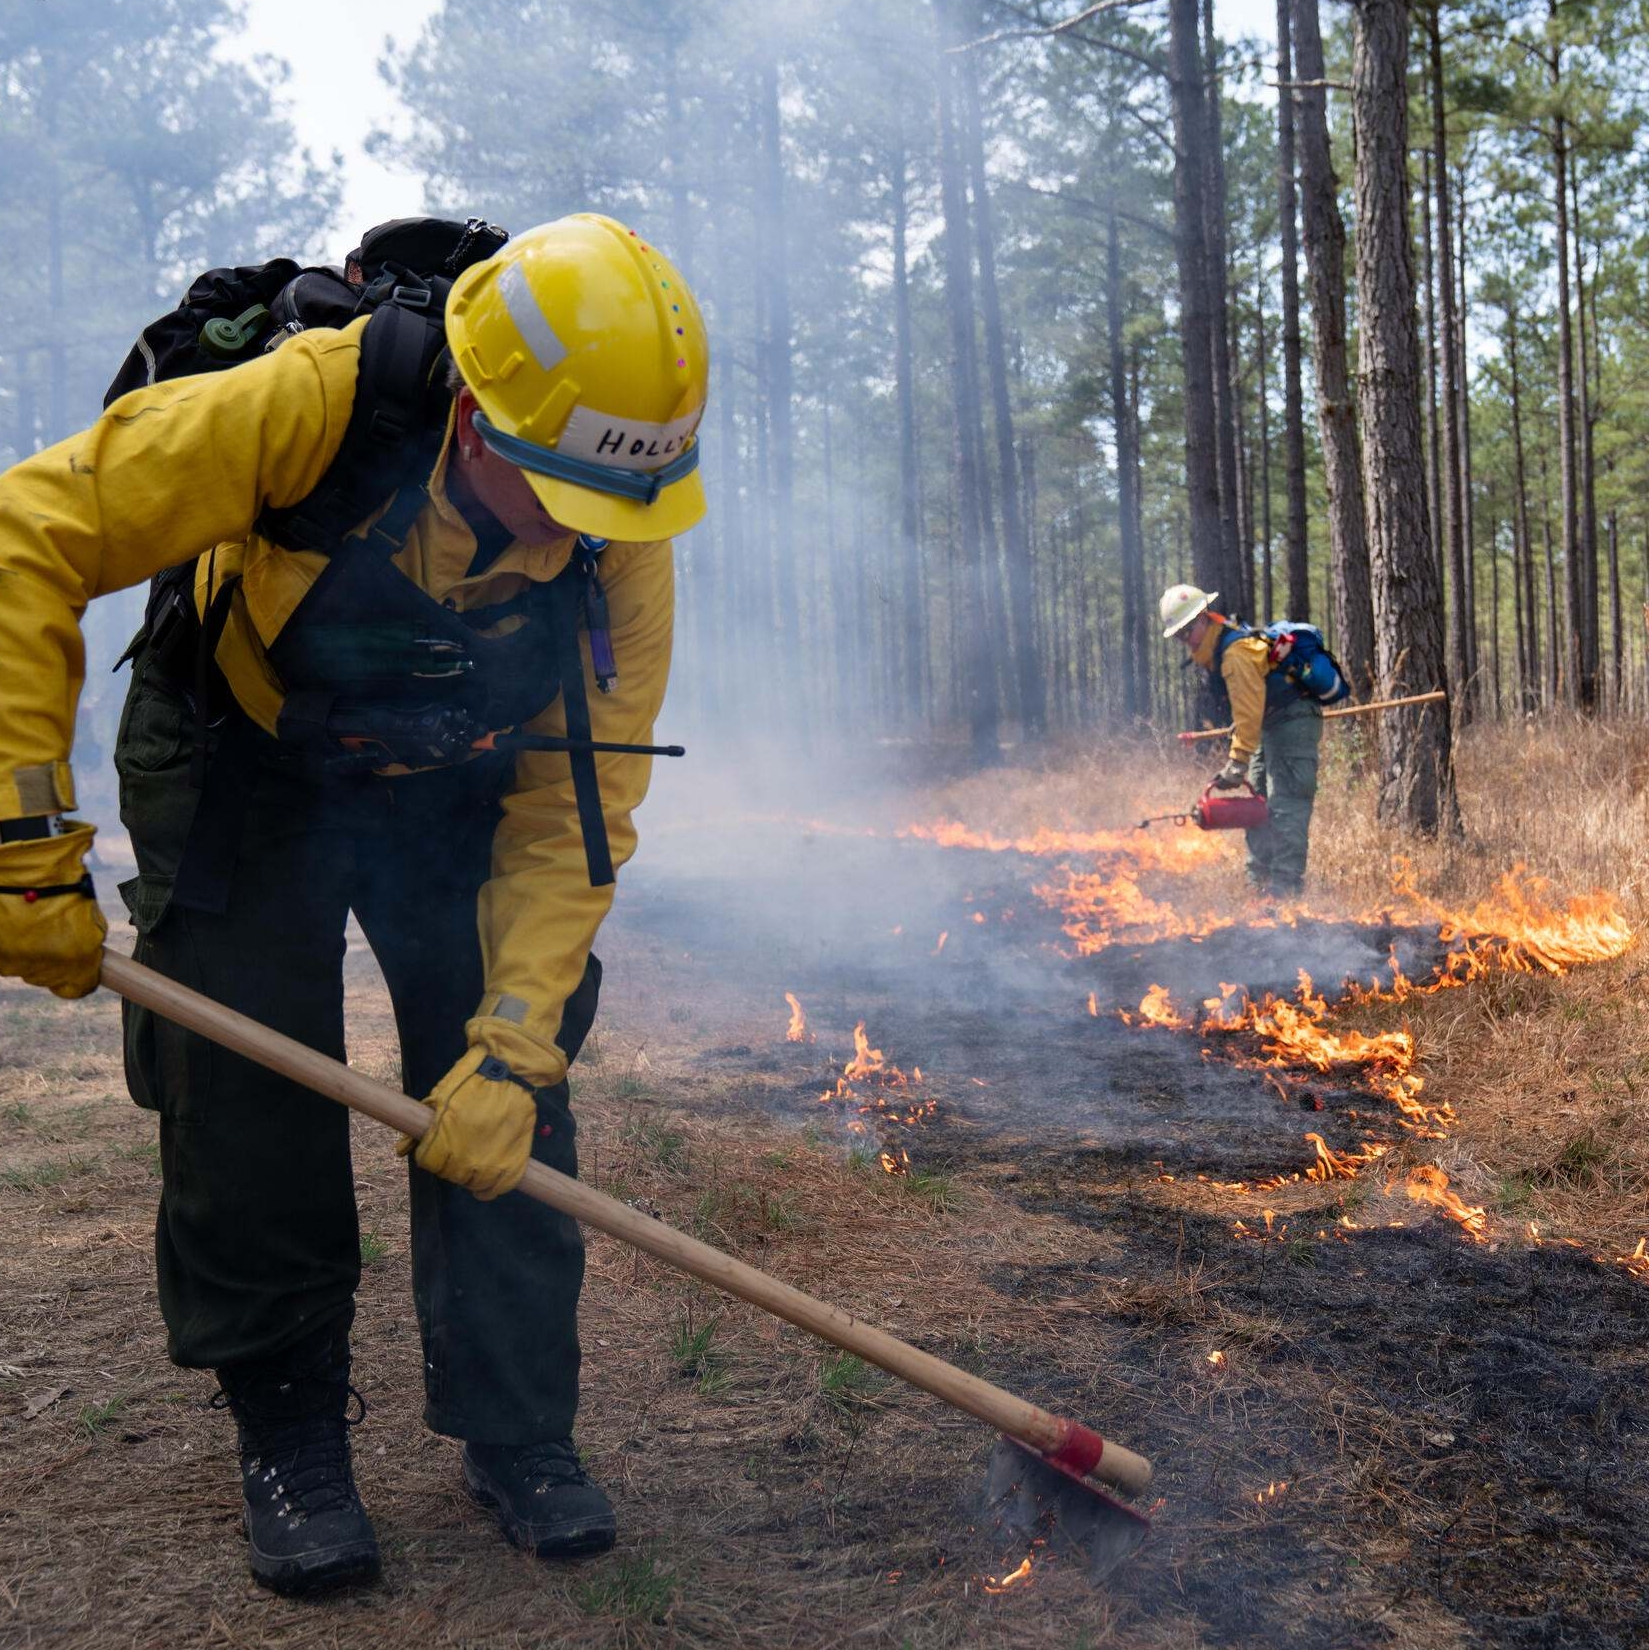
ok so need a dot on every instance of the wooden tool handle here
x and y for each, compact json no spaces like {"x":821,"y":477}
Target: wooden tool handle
{"x":1345,"y":710}
{"x":1066,"y":1442}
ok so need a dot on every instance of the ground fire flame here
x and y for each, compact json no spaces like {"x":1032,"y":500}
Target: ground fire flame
{"x":877,"y":1093}
{"x":797,"y":1031}
{"x":1014,"y":1578}
{"x":1521,"y":927}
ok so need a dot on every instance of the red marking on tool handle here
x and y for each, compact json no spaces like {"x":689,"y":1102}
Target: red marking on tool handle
{"x":1078,"y":1450}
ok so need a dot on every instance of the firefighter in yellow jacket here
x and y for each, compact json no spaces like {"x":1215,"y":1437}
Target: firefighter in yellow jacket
{"x":1276,"y":734}
{"x":323,"y":726}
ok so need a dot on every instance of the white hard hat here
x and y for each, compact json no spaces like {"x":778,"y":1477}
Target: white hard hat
{"x":1181,"y":603}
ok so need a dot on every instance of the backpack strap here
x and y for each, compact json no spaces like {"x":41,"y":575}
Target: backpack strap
{"x":1230,"y":633}
{"x":392,"y":440}
{"x":575,"y":700}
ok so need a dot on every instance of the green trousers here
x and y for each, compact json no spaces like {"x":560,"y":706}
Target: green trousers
{"x":257,"y":1240}
{"x":1284,"y":772}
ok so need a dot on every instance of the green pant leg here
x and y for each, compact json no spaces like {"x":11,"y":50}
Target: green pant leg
{"x":1259,"y":842}
{"x":256,"y":1242}
{"x":1291,"y":744}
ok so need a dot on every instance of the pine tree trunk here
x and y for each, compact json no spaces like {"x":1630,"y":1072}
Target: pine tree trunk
{"x":1239,"y":594}
{"x":1209,"y":565}
{"x":975,"y":659}
{"x":1451,"y":528}
{"x":855,"y":586}
{"x":1417,"y":777}
{"x":1245,"y":469}
{"x":912,"y":631}
{"x":1589,"y":649}
{"x":1136,"y":689}
{"x":1267,"y":572}
{"x":1153,"y":654}
{"x":1434,"y":495}
{"x":1617,"y":636}
{"x":1016,"y":539}
{"x":732,"y":590}
{"x":1519,"y":628}
{"x":779,"y":371}
{"x":1468,"y":529}
{"x":1556,"y":685}
{"x":1531,"y":669}
{"x":847,"y":638}
{"x":1325,"y":250}
{"x":1572,"y":671}
{"x":1494,"y":614}
{"x":1299,"y":577}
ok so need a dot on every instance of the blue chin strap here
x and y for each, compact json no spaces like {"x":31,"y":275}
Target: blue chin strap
{"x":643,"y":486}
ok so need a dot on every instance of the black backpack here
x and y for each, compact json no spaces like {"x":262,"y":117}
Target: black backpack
{"x":401,"y":274}
{"x":233,"y":315}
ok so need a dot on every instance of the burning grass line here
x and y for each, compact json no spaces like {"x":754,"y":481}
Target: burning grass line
{"x":1428,"y":1184}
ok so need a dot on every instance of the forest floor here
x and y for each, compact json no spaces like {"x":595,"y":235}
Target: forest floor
{"x":1374,"y":1421}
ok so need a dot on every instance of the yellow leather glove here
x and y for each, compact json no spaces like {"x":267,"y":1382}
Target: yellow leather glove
{"x":51,"y":930}
{"x":483,"y":1130}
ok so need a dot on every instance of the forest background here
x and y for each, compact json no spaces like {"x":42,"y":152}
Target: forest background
{"x":955,"y":258}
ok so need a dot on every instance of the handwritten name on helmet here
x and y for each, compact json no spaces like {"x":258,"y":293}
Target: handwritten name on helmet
{"x":625,"y":443}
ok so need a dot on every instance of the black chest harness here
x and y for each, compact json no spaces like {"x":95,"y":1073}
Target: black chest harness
{"x":375,"y":671}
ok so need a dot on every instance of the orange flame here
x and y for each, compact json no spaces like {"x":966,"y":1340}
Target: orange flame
{"x":1013,"y":1578}
{"x":876,"y":1088}
{"x":797,"y":1031}
{"x":1427,"y":1183}
{"x":1155,"y":1009}
{"x":866,"y":1061}
{"x":1161,"y":852}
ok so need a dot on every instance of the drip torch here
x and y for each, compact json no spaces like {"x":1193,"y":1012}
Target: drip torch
{"x":1243,"y":810}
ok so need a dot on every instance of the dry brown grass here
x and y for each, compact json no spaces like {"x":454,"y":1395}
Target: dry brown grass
{"x":768,"y":1493}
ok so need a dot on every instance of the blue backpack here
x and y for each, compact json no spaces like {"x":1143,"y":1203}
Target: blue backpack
{"x":1299,"y":660}
{"x":1299,"y":656}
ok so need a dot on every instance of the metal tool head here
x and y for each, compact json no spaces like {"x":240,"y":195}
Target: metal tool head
{"x":1080,"y":1526}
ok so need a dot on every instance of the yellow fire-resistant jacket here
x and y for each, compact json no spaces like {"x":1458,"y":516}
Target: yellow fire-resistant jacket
{"x":1243,"y":666}
{"x":177,"y":469}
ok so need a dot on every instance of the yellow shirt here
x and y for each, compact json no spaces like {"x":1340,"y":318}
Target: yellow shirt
{"x":175,"y":470}
{"x":1243,"y":667}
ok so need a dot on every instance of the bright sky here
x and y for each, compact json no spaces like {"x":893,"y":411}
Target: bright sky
{"x":337,"y":97}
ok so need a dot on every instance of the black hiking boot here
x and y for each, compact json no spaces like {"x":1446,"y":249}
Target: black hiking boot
{"x":542,"y":1497}
{"x":304,"y":1519}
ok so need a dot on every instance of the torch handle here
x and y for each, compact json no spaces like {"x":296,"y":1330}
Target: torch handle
{"x":1065,"y":1441}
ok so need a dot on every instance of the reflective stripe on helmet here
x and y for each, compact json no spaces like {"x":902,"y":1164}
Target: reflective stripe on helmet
{"x":641,"y":485}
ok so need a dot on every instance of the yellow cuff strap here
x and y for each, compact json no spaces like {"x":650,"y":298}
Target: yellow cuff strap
{"x":47,"y":789}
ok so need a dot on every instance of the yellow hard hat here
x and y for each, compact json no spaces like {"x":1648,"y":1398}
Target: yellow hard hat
{"x":588,"y":358}
{"x":1181,"y":603}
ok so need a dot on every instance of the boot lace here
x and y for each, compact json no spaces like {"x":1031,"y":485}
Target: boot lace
{"x":555,"y":1461}
{"x":301,"y":1461}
